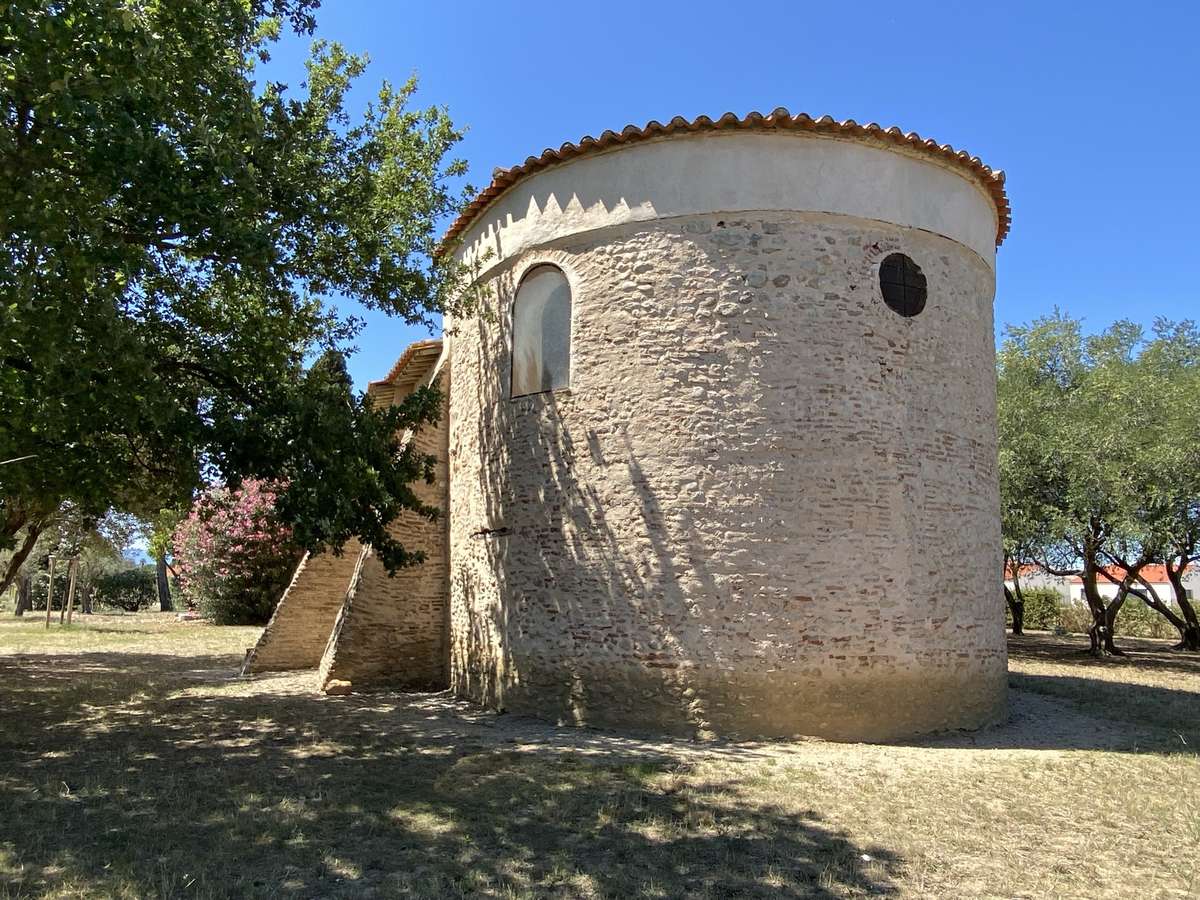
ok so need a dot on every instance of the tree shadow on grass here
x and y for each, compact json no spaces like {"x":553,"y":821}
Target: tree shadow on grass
{"x":1142,"y":653}
{"x":1048,"y":712}
{"x":1171,"y":717}
{"x":1093,"y":704}
{"x":122,"y":776}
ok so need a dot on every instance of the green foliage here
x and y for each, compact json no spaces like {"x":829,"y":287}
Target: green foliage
{"x":253,"y":606}
{"x":357,"y":475}
{"x":171,"y":224}
{"x":98,"y":546}
{"x":40,"y":584}
{"x":1074,"y":618}
{"x":1136,"y":619}
{"x":1046,"y":610}
{"x":157,"y":530}
{"x":1042,"y":608}
{"x":130,"y":589}
{"x":1099,"y":445}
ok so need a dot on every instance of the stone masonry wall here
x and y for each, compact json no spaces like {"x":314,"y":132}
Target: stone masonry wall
{"x":766,"y":505}
{"x":391,"y":632}
{"x":299,"y":629}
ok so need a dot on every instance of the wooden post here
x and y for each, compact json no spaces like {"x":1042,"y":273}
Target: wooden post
{"x":74,"y":570}
{"x":50,"y":592}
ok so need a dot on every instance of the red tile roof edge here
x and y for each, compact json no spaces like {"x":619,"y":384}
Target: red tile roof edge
{"x":1154,"y":573}
{"x":502,"y":179}
{"x":411,"y":352}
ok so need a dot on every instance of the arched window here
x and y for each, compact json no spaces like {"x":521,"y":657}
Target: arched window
{"x":541,"y":332}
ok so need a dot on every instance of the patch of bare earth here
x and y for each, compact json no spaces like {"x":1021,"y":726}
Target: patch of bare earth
{"x":135,"y":763}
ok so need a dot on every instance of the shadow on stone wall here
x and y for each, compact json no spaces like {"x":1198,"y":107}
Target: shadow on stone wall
{"x":617,"y":582}
{"x":558,"y":534}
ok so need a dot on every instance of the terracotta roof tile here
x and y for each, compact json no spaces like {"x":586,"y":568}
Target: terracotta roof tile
{"x":420,"y":350}
{"x":1024,"y":571}
{"x":1155,"y":574}
{"x":992,"y":180}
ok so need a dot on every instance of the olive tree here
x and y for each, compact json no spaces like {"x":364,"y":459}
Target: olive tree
{"x":1164,"y":521}
{"x":1099,"y":454}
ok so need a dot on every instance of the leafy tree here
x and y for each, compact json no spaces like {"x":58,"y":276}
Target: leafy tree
{"x":14,"y":557}
{"x":234,"y":554}
{"x":98,"y":547}
{"x":62,"y":532}
{"x":1037,"y":367}
{"x":104,"y":553}
{"x":40,"y":588}
{"x":1047,"y":369}
{"x":1042,"y":608}
{"x":1026,"y":489}
{"x":170,"y":225}
{"x":158,"y":531}
{"x":1098,"y":454}
{"x":128,"y":589}
{"x":1164,"y":525}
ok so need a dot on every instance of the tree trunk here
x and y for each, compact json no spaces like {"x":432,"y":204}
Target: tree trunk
{"x":164,"y":586}
{"x":1020,"y":595}
{"x":19,"y":557}
{"x":50,"y":592}
{"x":73,"y":571}
{"x":1189,"y":634}
{"x":1096,"y":607}
{"x":1104,"y":617}
{"x":24,"y":595}
{"x":1017,"y":608}
{"x":1110,"y":622}
{"x":11,"y":523}
{"x":1149,"y":595}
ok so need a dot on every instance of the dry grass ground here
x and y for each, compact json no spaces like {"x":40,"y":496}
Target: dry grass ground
{"x":133,"y":763}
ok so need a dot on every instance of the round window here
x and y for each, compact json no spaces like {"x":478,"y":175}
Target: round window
{"x":903,"y":285}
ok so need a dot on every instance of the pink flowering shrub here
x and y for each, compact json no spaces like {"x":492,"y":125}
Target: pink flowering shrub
{"x":233,"y":555}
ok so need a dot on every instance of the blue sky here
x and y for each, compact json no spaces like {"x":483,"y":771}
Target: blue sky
{"x":1093,"y":110}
